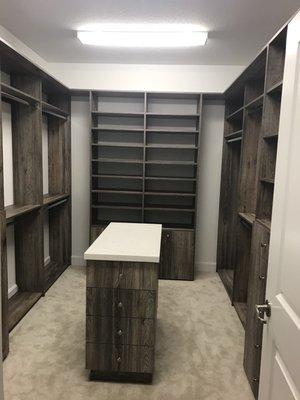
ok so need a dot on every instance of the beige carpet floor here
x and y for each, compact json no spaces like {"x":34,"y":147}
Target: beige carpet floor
{"x":199,"y":350}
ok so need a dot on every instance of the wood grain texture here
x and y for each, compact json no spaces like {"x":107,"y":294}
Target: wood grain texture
{"x":131,"y":331}
{"x":256,"y":295}
{"x":108,"y":302}
{"x":177,"y":255}
{"x":228,"y":217}
{"x":29,"y":252}
{"x":4,"y":286}
{"x":19,"y":305}
{"x":108,"y":357}
{"x":125,"y":275}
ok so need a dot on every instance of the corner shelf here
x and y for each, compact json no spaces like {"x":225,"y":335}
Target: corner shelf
{"x":276,"y":88}
{"x":11,"y":93}
{"x":235,"y":114}
{"x":234,"y":135}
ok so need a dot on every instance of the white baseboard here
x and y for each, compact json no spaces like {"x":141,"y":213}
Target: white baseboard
{"x":78,"y":260}
{"x":206,"y":266}
{"x":12,"y":290}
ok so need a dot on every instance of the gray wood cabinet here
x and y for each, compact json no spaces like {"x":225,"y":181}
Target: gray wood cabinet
{"x":177,"y":254}
{"x":121,"y":320}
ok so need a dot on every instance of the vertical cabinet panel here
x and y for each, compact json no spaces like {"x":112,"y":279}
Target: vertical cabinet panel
{"x":256,"y":295}
{"x":177,"y":255}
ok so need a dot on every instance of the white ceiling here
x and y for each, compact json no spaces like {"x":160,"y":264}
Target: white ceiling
{"x":238,"y":29}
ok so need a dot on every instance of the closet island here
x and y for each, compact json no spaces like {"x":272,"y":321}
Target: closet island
{"x":121,"y":302}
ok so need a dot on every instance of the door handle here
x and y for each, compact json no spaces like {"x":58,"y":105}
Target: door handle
{"x":263,"y":310}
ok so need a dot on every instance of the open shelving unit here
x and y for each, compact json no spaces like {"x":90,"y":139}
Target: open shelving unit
{"x":144,"y":158}
{"x":31,"y":93}
{"x":252,"y":105}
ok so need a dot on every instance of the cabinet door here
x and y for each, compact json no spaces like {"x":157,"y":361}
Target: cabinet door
{"x":256,"y":295}
{"x":177,"y":255}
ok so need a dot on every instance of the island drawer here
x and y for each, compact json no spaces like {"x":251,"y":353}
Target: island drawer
{"x":127,"y":331}
{"x":107,"y":302}
{"x":110,"y":358}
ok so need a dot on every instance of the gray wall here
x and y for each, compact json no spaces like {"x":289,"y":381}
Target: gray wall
{"x":208,"y":189}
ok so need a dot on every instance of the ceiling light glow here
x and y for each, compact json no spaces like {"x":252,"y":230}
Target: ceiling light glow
{"x":143,"y":35}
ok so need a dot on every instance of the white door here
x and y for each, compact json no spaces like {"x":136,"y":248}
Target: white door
{"x":280,"y":371}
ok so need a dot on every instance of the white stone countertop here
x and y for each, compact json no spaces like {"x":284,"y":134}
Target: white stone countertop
{"x":122,"y":241}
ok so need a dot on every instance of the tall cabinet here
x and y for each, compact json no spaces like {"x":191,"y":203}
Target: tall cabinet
{"x":35,"y":209}
{"x":252,"y":115}
{"x":144,"y":158}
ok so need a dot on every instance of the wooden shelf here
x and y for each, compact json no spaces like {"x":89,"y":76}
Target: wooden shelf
{"x":117,"y":114}
{"x":233,"y":135}
{"x":266,"y":223}
{"x":171,"y":162}
{"x":256,"y":103}
{"x":267,"y":180}
{"x":157,"y":193}
{"x":247,"y":217}
{"x":167,"y":115}
{"x":271,"y":137}
{"x":15,"y":211}
{"x":13,"y":94}
{"x":117,"y":160}
{"x":53,"y":111}
{"x":276,"y":88}
{"x":164,"y":207}
{"x":117,"y":176}
{"x":241,"y":309}
{"x":119,"y":191}
{"x":19,"y":305}
{"x":226,"y":276}
{"x":51,"y":199}
{"x":118,"y":206}
{"x":170,"y":178}
{"x":236,"y":114}
{"x":172,"y":146}
{"x":119,"y":144}
{"x":169,"y":130}
{"x":114,"y":130}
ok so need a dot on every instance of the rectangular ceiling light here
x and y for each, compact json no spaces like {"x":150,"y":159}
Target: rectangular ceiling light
{"x":143,"y":35}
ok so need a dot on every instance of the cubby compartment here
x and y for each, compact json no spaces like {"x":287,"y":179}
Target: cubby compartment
{"x":105,"y":215}
{"x":172,"y":104}
{"x":118,"y":102}
{"x":176,"y":219}
{"x":111,"y":167}
{"x":233,"y":125}
{"x":276,"y":60}
{"x":169,"y":123}
{"x":165,"y":156}
{"x":107,"y":153}
{"x":255,"y":81}
{"x":115,"y":138}
{"x":120,"y":183}
{"x":170,"y":140}
{"x":272,"y":114}
{"x":56,"y":216}
{"x":242,"y":269}
{"x":170,"y":171}
{"x":170,"y":186}
{"x":229,"y":213}
{"x":249,"y":161}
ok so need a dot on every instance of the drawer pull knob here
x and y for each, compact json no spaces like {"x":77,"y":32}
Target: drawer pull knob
{"x":263,"y":245}
{"x":255,"y":379}
{"x":257,"y":346}
{"x":262,"y":277}
{"x":120,"y":332}
{"x":119,"y":360}
{"x":120,"y":304}
{"x":121,"y":275}
{"x":168,"y":235}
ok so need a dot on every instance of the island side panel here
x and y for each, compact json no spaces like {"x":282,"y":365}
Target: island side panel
{"x":121,"y":320}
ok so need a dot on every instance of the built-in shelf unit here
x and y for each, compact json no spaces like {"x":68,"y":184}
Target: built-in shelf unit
{"x":32,"y":94}
{"x":144,"y":157}
{"x":252,"y":112}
